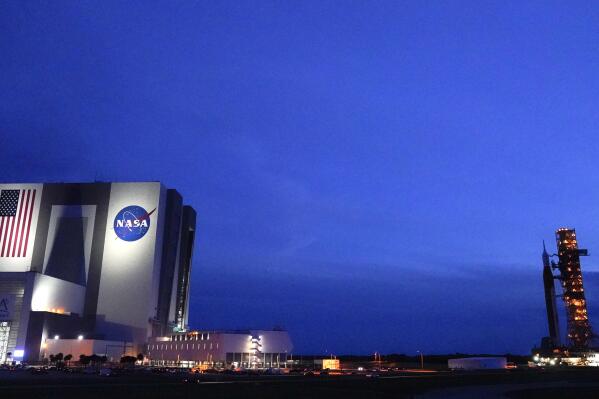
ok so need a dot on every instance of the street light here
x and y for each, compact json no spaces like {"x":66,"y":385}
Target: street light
{"x":377,"y":356}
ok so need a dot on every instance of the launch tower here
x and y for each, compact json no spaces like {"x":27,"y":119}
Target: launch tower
{"x":570,"y":275}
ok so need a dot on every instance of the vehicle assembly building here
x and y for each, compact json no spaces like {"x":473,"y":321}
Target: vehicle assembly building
{"x":94,"y":265}
{"x":579,"y":332}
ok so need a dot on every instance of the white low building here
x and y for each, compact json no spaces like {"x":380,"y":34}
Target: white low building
{"x":477,"y":363}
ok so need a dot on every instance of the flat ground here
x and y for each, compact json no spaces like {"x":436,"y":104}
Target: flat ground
{"x":512,"y":384}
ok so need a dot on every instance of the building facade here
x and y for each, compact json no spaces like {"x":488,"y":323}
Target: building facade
{"x":91,"y":261}
{"x":221,"y":349}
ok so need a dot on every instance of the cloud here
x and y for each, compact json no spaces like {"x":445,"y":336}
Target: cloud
{"x":363,"y":308}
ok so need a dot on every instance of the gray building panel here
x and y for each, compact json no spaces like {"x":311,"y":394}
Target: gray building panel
{"x":186,"y":243}
{"x":172,"y":231}
{"x":76,"y":194}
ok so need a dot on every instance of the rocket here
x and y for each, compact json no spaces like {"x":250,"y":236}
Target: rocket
{"x":550,"y":299}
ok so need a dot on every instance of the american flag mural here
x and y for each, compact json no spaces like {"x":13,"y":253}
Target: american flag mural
{"x":16,"y":211}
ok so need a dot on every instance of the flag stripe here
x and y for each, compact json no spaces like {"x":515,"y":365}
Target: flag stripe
{"x":29,"y":224}
{"x":3,"y":232}
{"x":6,"y":230}
{"x":20,"y":217}
{"x":1,"y":227}
{"x":23,"y":226}
{"x":11,"y":234}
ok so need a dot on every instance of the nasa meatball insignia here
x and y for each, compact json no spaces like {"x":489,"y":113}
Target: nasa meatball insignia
{"x":132,"y":223}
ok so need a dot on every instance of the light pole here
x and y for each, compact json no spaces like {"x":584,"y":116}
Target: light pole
{"x":377,"y":356}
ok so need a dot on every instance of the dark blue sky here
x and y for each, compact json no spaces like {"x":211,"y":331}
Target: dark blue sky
{"x":373,"y":176}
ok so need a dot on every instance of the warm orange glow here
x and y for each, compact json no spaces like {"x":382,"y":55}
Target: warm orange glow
{"x":331,"y":364}
{"x":200,"y":368}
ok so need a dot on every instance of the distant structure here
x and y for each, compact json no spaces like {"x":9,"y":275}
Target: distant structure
{"x":570,"y":275}
{"x":477,"y":363}
{"x":552,"y":318}
{"x":221,"y":349}
{"x":579,"y":328}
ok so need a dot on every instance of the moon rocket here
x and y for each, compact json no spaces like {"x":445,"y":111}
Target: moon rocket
{"x":550,"y":301}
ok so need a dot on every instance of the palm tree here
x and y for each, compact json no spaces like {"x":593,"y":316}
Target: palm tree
{"x":128,"y":359}
{"x":68,"y":358}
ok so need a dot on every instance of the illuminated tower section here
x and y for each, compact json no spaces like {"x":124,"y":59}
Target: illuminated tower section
{"x":579,"y":328}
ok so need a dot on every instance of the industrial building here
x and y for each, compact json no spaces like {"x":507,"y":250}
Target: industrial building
{"x":221,"y":349}
{"x":91,"y":267}
{"x":477,"y":363}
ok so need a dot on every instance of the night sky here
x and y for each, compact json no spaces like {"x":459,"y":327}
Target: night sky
{"x":371,"y":176}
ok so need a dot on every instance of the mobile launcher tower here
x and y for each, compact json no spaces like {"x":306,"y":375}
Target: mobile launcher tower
{"x":577,"y":348}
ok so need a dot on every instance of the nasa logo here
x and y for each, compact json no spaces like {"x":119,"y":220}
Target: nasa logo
{"x":132,"y":223}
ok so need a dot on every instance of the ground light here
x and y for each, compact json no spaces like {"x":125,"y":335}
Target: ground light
{"x":545,"y":361}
